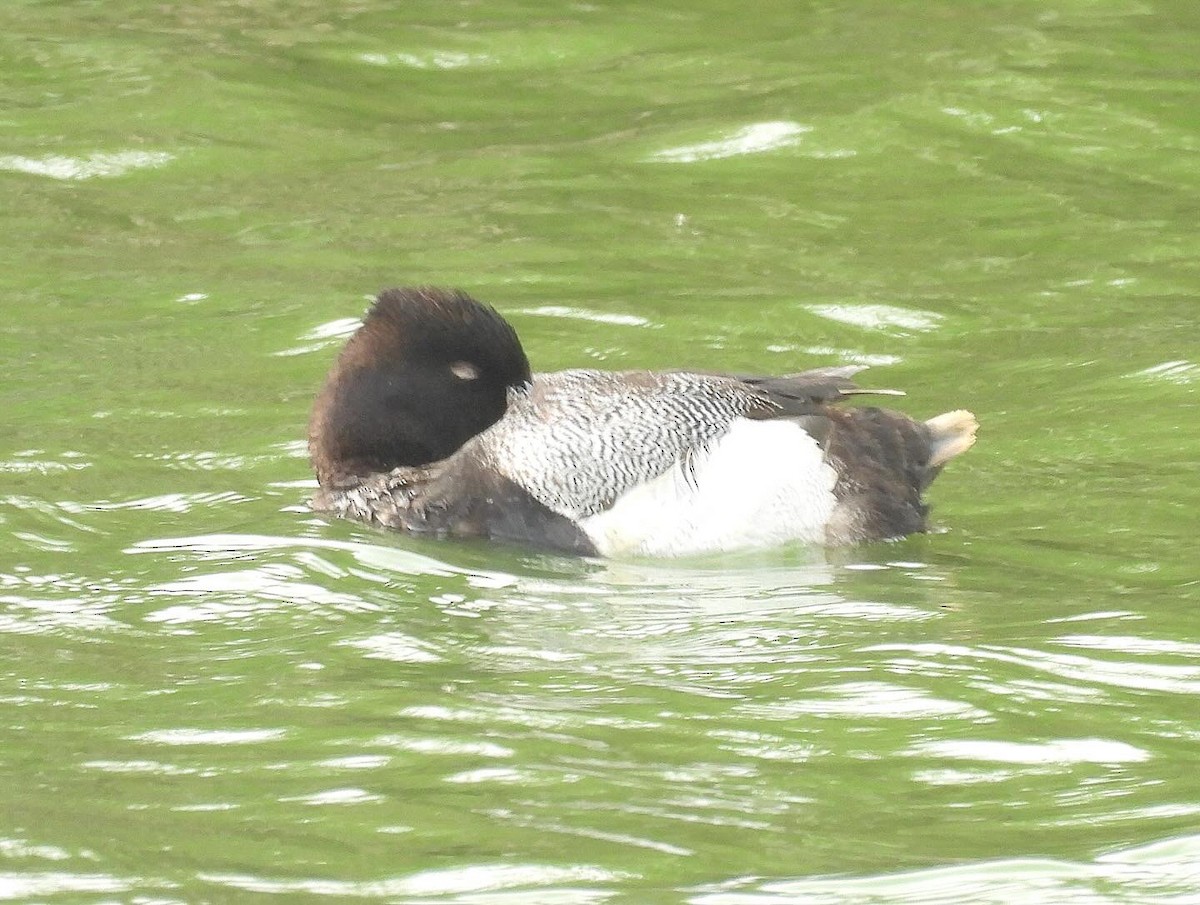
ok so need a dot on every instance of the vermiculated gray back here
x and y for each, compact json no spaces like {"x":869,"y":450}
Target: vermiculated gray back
{"x":579,"y":439}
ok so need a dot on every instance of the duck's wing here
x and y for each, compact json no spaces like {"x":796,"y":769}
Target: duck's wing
{"x":808,"y":392}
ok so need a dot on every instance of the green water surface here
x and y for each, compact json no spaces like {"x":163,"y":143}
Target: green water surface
{"x":207,"y":694}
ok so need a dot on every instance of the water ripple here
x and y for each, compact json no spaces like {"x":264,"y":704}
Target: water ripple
{"x":871,"y":700}
{"x":1132,"y":674}
{"x":241,"y":594}
{"x":1167,"y":871}
{"x":57,"y":166}
{"x":220,"y":737}
{"x":879,"y":317}
{"x":335,"y":797}
{"x":1057,"y":751}
{"x":584,"y":314}
{"x":394,"y":646}
{"x":753,"y":139}
{"x":29,"y":886}
{"x":458,"y":881}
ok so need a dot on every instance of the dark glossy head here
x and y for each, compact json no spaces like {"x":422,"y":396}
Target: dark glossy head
{"x":428,"y":370}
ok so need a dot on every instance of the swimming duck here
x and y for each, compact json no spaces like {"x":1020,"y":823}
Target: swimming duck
{"x":431,"y":422}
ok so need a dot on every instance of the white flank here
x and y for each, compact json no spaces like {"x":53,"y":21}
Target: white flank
{"x":761,"y":484}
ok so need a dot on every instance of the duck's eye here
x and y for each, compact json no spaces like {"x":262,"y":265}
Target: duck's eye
{"x":464,"y":370}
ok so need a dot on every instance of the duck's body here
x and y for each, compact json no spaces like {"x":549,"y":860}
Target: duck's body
{"x":609,"y":463}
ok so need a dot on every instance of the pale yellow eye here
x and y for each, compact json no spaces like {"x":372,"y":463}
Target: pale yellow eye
{"x":464,"y":370}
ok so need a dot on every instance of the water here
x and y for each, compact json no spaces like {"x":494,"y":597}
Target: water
{"x":210,"y":695}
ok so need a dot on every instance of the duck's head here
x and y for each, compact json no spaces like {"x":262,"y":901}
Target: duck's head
{"x":427,"y":370}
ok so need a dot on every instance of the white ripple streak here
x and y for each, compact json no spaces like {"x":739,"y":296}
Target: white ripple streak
{"x":879,"y":317}
{"x":482,"y":878}
{"x":57,"y":166}
{"x":1055,"y":751}
{"x":752,"y":139}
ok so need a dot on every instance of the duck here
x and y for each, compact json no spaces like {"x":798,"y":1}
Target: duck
{"x":431,"y":422}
